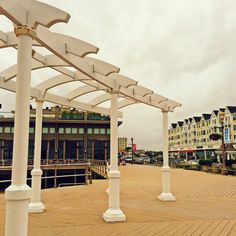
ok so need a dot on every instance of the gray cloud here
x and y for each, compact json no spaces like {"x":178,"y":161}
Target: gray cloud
{"x":184,"y":50}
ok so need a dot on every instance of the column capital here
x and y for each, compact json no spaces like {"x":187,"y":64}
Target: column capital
{"x":114,"y":91}
{"x":25,"y":30}
{"x":164,"y":111}
{"x":39,"y":100}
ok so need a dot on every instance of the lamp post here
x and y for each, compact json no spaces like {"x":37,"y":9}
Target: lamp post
{"x":224,"y":169}
{"x":132,"y":142}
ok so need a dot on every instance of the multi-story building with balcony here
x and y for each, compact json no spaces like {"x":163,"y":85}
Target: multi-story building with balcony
{"x":190,"y":138}
{"x":69,"y":137}
{"x":122,"y":144}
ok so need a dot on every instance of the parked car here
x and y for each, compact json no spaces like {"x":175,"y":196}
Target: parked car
{"x":128,"y":159}
{"x":138,"y":160}
{"x":146,"y":160}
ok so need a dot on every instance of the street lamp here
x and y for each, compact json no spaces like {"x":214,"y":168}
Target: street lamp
{"x":217,"y":136}
{"x":224,"y":169}
{"x":132,"y":142}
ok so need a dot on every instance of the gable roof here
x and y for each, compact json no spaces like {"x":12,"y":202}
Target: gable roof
{"x":197,"y":118}
{"x":232,"y":109}
{"x":180,"y":123}
{"x":206,"y":116}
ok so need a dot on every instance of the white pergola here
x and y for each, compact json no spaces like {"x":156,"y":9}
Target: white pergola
{"x":69,"y":57}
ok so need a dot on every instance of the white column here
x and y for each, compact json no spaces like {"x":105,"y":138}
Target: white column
{"x":36,"y":205}
{"x":166,"y":195}
{"x":114,"y":213}
{"x":17,"y":195}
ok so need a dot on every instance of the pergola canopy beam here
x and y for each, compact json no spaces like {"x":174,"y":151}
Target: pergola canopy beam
{"x":56,"y":99}
{"x":29,"y":13}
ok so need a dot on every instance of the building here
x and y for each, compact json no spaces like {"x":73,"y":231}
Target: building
{"x":66,"y":134}
{"x":190,"y":138}
{"x":69,"y":136}
{"x":122,"y":144}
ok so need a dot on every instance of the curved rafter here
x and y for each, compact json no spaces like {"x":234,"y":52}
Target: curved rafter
{"x":53,"y":82}
{"x":53,"y":98}
{"x":89,"y":70}
{"x":100,"y":99}
{"x":82,"y":91}
{"x":18,"y":12}
{"x":125,"y":103}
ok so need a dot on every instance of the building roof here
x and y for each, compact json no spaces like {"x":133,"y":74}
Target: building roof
{"x":232,"y":109}
{"x":197,"y":118}
{"x":180,"y":123}
{"x":215,"y":112}
{"x":173,"y":125}
{"x":222,"y":109}
{"x":206,"y":116}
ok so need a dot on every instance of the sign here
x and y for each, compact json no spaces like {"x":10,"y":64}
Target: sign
{"x":134,"y":147}
{"x":226,"y":135}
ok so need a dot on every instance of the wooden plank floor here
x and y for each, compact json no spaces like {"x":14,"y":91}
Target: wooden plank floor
{"x":206,"y":205}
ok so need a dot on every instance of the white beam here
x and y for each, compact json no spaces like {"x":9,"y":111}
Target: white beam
{"x":31,"y":13}
{"x":125,"y":103}
{"x":100,"y":99}
{"x":56,"y":99}
{"x":81,"y":91}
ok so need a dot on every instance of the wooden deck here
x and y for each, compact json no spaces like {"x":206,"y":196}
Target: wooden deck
{"x":205,"y":206}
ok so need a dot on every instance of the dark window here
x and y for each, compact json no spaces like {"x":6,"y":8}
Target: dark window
{"x":52,"y":149}
{"x":60,"y":150}
{"x":44,"y":150}
{"x":8,"y":148}
{"x":89,"y":149}
{"x":70,"y":149}
{"x":31,"y":150}
{"x":81,"y":149}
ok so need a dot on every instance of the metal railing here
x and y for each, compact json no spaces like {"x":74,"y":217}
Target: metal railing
{"x":87,"y":174}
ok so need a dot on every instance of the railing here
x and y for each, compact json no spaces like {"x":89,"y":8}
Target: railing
{"x":87,"y":174}
{"x":47,"y":162}
{"x":100,"y":167}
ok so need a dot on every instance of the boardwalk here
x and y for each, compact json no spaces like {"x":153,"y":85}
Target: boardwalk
{"x":205,"y":206}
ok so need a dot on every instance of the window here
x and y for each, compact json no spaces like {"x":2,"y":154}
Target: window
{"x":102,"y":131}
{"x":52,"y":130}
{"x":31,"y":130}
{"x":81,"y":130}
{"x":68,"y":130}
{"x":74,"y":130}
{"x":108,"y":131}
{"x":96,"y":131}
{"x":90,"y":130}
{"x":7,"y":130}
{"x":45,"y":130}
{"x":61,"y":131}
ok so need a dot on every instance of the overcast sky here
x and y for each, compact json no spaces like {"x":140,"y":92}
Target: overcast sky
{"x":183,"y":49}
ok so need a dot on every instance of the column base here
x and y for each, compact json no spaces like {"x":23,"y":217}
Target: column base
{"x":166,"y":197}
{"x":36,"y":207}
{"x":112,"y":215}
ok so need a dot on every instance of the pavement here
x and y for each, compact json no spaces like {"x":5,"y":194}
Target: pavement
{"x":205,"y":205}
